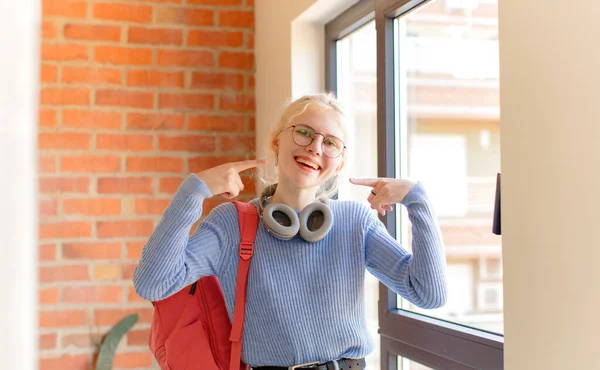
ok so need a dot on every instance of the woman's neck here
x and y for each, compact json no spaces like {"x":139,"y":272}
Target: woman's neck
{"x":293,"y":196}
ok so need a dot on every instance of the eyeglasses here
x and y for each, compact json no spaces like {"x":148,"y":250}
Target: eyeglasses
{"x":304,"y":135}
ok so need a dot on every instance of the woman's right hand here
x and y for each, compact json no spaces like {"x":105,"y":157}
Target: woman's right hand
{"x":225,"y":179}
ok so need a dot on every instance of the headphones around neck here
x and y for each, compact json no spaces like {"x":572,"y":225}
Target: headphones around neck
{"x":313,"y":223}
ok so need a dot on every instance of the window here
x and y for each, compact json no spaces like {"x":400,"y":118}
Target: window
{"x":421,"y":80}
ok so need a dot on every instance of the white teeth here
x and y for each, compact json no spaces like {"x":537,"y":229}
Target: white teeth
{"x":308,"y":163}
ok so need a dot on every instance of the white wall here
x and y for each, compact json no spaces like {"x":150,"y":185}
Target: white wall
{"x":550,"y":108}
{"x":19,"y":76}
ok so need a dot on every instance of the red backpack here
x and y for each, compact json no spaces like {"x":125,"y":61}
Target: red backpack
{"x":191,"y":329}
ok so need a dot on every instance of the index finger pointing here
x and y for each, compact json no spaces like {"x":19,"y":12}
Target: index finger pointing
{"x":244,"y":165}
{"x":365,"y":181}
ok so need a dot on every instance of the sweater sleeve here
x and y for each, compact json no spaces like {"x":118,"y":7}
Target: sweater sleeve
{"x":171,"y":259}
{"x":420,"y":276}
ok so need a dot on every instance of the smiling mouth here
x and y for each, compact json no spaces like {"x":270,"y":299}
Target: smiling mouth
{"x":307,"y":164}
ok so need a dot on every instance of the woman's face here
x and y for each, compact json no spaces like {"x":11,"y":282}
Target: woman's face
{"x":310,"y":150}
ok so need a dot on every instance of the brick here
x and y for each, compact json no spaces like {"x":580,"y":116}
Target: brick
{"x":133,"y":360}
{"x":66,"y":229}
{"x":122,"y":12}
{"x":93,"y":119}
{"x":186,"y":101}
{"x":186,"y":58}
{"x":92,"y":32}
{"x":155,"y":78}
{"x":64,"y":8}
{"x":48,"y":341}
{"x":77,"y":340}
{"x":128,"y":185}
{"x":151,"y":206}
{"x":187,"y":143}
{"x":90,"y":163}
{"x":48,"y":207}
{"x":107,"y":272}
{"x":64,"y":52}
{"x":47,"y":164}
{"x":92,"y":207}
{"x":154,"y":36}
{"x":83,"y":250}
{"x":64,"y":140}
{"x":47,"y":117}
{"x":250,"y":43}
{"x":236,"y":18}
{"x":51,"y":185}
{"x":216,"y":123}
{"x":48,"y":296}
{"x":120,"y":229}
{"x":53,"y":274}
{"x":217,"y":81}
{"x":64,"y":96}
{"x":49,"y":30}
{"x":154,"y":121}
{"x":65,"y":362}
{"x":216,"y":2}
{"x":91,"y":75}
{"x":252,"y":123}
{"x":49,"y":73}
{"x":162,"y":1}
{"x":134,"y":249}
{"x":250,"y":84}
{"x":154,"y":164}
{"x":110,"y":316}
{"x":191,"y":17}
{"x":215,"y":38}
{"x":47,"y":252}
{"x":138,"y":337}
{"x":198,"y":164}
{"x":125,"y":142}
{"x":237,"y":60}
{"x":92,"y":294}
{"x":124,"y":98}
{"x":240,"y":103}
{"x":169,"y":185}
{"x":63,"y":318}
{"x":122,"y":55}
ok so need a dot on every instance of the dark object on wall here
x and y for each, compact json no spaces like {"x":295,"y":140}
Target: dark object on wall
{"x":497,"y":226}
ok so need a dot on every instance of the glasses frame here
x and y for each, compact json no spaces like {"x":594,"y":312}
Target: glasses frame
{"x":313,"y":139}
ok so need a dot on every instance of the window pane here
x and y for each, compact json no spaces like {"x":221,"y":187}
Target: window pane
{"x":406,"y":364}
{"x":357,"y":90}
{"x":448,"y":121}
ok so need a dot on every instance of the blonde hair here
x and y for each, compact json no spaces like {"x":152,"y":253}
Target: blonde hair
{"x":267,"y":175}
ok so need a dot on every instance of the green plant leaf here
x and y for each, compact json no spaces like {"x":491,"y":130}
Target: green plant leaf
{"x":110,"y":342}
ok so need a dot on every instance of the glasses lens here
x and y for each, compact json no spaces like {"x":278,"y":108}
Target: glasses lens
{"x":303,"y":135}
{"x":332,"y":146}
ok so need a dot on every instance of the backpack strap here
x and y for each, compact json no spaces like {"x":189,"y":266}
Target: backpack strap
{"x":248,"y":217}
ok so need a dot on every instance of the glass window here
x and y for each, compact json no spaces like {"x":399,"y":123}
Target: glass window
{"x":406,"y":364}
{"x":447,"y":119}
{"x":357,"y":90}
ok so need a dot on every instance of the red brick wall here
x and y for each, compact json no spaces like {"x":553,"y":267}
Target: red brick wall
{"x":135,"y":95}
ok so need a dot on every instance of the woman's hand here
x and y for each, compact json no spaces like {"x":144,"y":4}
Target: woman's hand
{"x":225,"y":179}
{"x":385,"y":191}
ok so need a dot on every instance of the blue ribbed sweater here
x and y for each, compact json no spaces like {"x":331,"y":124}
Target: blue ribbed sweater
{"x":305,"y":300}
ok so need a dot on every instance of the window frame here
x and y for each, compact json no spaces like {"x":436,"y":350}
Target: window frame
{"x":429,"y":341}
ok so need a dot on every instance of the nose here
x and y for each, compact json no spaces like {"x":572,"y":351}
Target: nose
{"x":316,"y":145}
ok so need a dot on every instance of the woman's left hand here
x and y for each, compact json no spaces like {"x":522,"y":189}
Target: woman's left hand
{"x":385,"y":191}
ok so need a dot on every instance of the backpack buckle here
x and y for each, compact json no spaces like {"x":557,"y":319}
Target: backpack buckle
{"x":246,"y":250}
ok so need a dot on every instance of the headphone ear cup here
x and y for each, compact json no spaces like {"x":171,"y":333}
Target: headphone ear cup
{"x":281,"y":220}
{"x":316,"y":221}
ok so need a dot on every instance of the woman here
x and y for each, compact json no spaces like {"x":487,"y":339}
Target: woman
{"x":305,"y":292}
